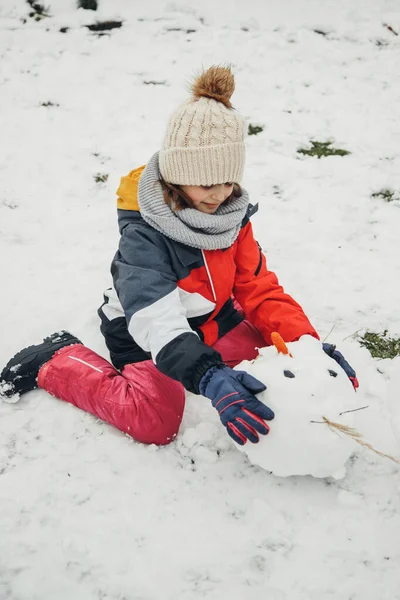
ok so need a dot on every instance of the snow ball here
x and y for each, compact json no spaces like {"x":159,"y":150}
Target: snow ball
{"x":6,"y":396}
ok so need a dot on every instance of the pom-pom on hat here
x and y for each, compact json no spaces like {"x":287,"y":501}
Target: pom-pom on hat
{"x":204,"y":142}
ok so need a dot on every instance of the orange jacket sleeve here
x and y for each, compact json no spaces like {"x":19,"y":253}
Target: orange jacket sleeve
{"x":263,"y":300}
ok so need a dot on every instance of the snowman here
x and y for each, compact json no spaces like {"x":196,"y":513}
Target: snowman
{"x":312,"y":399}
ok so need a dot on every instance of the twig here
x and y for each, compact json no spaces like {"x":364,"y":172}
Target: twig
{"x":324,"y":423}
{"x":352,"y":335}
{"x":390,"y":28}
{"x":353,"y":410}
{"x":329,"y":333}
{"x":357,"y":437}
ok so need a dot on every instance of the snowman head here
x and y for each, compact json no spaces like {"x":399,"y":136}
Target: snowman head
{"x":305,"y":388}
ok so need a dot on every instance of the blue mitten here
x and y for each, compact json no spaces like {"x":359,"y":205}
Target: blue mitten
{"x":232,"y":394}
{"x":330,"y":349}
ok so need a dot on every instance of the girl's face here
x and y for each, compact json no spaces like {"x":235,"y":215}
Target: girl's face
{"x":208,"y":198}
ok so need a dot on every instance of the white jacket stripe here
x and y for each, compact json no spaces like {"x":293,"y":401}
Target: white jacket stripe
{"x":154,"y":326}
{"x":195,"y":304}
{"x":112,"y":307}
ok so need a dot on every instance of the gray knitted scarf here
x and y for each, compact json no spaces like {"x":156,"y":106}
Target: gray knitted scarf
{"x":189,"y":226}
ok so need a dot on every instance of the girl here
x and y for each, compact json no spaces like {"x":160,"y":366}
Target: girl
{"x":192,"y":294}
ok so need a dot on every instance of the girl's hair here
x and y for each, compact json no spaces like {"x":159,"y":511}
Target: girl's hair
{"x":176,"y":198}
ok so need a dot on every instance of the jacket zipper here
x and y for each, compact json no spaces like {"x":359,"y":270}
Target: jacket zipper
{"x":209,"y":276}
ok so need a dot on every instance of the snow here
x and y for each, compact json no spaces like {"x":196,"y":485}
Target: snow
{"x":85,"y":512}
{"x":393,"y":398}
{"x":299,"y":441}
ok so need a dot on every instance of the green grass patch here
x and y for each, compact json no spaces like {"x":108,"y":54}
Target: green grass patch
{"x":87,"y":4}
{"x":104,"y":25}
{"x":380,"y":345}
{"x":276,"y":190}
{"x":39,"y":11}
{"x":386,"y":194}
{"x":254,"y":129}
{"x":320,"y":149}
{"x":100,"y":177}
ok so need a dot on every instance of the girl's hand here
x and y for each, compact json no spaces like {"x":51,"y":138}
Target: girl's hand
{"x":232,"y":394}
{"x":330,"y":349}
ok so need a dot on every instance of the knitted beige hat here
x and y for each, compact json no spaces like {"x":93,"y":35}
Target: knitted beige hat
{"x":204,"y":142}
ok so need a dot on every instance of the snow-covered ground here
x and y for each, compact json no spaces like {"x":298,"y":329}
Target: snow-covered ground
{"x":85,"y":512}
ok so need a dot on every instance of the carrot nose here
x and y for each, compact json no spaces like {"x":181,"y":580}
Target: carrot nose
{"x":279,"y":343}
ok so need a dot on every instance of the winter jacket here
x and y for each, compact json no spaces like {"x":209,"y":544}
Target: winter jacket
{"x":171,"y":302}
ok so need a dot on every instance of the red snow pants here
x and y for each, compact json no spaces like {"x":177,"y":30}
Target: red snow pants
{"x":141,"y":401}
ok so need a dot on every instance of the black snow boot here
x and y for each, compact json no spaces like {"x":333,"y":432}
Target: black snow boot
{"x":20,"y":374}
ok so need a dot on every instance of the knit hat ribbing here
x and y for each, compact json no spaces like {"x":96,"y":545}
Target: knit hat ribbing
{"x":204,"y":142}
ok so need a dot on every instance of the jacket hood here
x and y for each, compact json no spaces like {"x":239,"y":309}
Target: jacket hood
{"x":128,"y":190}
{"x":127,"y":202}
